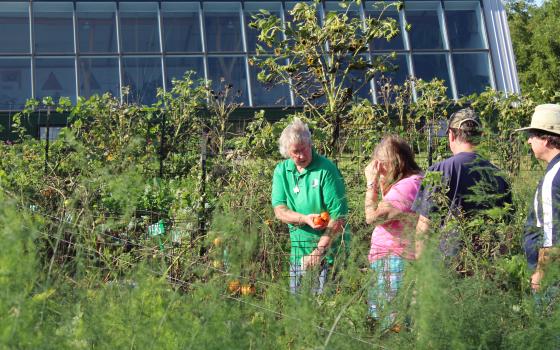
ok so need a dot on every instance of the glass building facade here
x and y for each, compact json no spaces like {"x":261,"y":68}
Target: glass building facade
{"x":81,"y":48}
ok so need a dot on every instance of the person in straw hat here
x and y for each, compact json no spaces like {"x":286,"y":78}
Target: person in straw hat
{"x":542,"y":226}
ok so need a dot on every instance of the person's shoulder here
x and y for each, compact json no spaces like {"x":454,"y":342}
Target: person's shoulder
{"x":411,"y":182}
{"x":282,"y":166}
{"x":554,"y":171}
{"x":324,"y":163}
{"x":463,"y":159}
{"x":442,"y":165}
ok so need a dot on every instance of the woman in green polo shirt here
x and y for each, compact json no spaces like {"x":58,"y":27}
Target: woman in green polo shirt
{"x":303,"y":186}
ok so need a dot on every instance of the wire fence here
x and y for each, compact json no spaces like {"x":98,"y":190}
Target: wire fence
{"x":64,"y":224}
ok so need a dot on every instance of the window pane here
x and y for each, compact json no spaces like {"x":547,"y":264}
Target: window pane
{"x":396,"y":75}
{"x":223,"y":27}
{"x":289,"y":5}
{"x":53,"y":27}
{"x":472,"y":72}
{"x":14,"y":21}
{"x":267,"y":94}
{"x":98,"y":75}
{"x":139,"y":27}
{"x":427,"y":67}
{"x":229,"y":70}
{"x":425,"y":31}
{"x":54,"y":131}
{"x":334,"y":6}
{"x":15,"y":82}
{"x":252,"y":9}
{"x":177,"y":66}
{"x":395,"y":43}
{"x":397,"y":71}
{"x":356,"y":80}
{"x":97,"y":30}
{"x":55,"y":77}
{"x":143,"y":76}
{"x":463,"y":25}
{"x":181,"y":27}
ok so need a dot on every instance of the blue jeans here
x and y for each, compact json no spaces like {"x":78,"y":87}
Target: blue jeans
{"x":297,"y":273}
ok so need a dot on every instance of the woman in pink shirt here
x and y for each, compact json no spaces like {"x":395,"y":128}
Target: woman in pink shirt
{"x":393,"y":179}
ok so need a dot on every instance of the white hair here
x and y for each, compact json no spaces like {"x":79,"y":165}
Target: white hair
{"x":296,"y":132}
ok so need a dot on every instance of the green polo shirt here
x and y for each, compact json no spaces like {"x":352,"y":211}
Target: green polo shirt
{"x":318,"y":188}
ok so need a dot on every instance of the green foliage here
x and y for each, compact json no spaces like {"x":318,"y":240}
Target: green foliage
{"x":79,"y":269}
{"x":322,"y":62}
{"x":536,"y":47}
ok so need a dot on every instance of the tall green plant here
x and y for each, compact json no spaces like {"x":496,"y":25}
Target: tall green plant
{"x":322,"y":61}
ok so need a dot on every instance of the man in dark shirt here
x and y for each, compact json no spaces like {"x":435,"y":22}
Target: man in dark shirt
{"x":541,"y":229}
{"x":472,"y":183}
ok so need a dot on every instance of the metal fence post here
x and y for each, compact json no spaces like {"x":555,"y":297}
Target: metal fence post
{"x":162,"y":144}
{"x":430,"y":149}
{"x":47,"y":137}
{"x":202,"y":185}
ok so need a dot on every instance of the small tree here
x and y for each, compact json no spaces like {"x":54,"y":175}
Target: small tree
{"x":323,"y":61}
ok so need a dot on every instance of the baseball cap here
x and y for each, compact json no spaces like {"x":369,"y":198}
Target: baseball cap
{"x":458,"y":119}
{"x":545,"y":118}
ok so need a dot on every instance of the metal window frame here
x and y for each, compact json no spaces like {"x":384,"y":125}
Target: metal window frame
{"x":407,"y":50}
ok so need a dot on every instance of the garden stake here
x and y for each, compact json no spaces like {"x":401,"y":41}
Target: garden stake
{"x":161,"y":144}
{"x":157,"y":230}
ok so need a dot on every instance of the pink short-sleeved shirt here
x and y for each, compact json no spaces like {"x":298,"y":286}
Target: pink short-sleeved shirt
{"x":389,"y":238}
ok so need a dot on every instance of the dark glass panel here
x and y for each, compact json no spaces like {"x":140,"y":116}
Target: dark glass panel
{"x":252,"y":9}
{"x":357,"y":81}
{"x":463,"y":25}
{"x":177,"y":66}
{"x":53,"y":27}
{"x":98,"y":75}
{"x":181,"y":27}
{"x":14,"y":21}
{"x":268,"y":94}
{"x":223,"y":27}
{"x":143,"y":76}
{"x":351,"y":9}
{"x":395,"y":43}
{"x":396,"y":74}
{"x":229,"y":70}
{"x":139,"y":27}
{"x":427,"y":67}
{"x":15,"y":82}
{"x":397,"y":69}
{"x":425,"y":31}
{"x":55,"y":77}
{"x":472,"y":72}
{"x":97,"y":29}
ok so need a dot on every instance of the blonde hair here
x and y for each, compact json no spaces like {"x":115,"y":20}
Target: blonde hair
{"x":398,"y":156}
{"x":296,"y":132}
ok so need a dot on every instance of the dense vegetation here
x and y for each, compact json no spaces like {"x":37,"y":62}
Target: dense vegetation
{"x":536,"y":46}
{"x":151,"y":227}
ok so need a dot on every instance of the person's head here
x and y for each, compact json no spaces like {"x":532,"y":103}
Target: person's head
{"x":544,"y":131}
{"x":295,"y":143}
{"x":396,"y":159}
{"x":464,"y":127}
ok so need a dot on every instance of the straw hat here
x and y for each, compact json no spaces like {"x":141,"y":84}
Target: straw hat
{"x":545,"y":118}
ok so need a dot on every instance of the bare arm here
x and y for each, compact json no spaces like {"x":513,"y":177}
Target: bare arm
{"x":422,"y":228}
{"x":378,"y":213}
{"x":288,"y":216}
{"x":334,"y":228}
{"x":544,"y":259}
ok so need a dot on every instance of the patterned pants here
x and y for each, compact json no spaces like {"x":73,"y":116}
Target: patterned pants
{"x":386,"y":281}
{"x":297,"y":273}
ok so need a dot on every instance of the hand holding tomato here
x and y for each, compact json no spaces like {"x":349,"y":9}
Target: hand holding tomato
{"x":320,"y":221}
